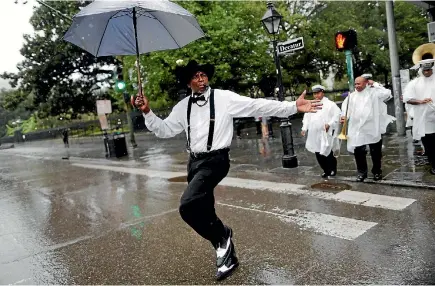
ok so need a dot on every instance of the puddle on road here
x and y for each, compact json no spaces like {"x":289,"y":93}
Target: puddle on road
{"x":331,"y":186}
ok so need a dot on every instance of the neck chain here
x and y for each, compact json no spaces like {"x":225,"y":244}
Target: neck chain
{"x":201,"y":105}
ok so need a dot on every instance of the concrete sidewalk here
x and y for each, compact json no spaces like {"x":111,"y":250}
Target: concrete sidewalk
{"x":251,"y":154}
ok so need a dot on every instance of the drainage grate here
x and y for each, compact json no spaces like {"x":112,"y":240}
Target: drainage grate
{"x":331,"y":186}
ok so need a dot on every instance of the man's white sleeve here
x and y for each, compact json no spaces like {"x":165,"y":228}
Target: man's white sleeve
{"x":335,"y":116}
{"x":409,"y":93}
{"x":306,"y":121}
{"x":382,"y":93}
{"x":242,"y":106}
{"x":167,"y":128}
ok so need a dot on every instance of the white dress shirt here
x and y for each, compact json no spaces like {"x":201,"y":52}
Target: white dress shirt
{"x":227,"y":106}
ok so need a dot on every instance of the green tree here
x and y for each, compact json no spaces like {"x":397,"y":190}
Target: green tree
{"x":369,"y":20}
{"x":235,"y":43}
{"x":59,"y":75}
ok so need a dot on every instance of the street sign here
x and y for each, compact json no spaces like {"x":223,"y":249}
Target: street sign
{"x":290,"y":46}
{"x":431,"y":31}
{"x":404,"y":79}
{"x":104,"y":106}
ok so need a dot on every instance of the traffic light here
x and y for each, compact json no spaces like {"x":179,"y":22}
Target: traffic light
{"x":119,"y":82}
{"x":345,"y":40}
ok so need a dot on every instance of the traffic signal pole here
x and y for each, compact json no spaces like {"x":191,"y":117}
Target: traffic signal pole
{"x":349,"y":65}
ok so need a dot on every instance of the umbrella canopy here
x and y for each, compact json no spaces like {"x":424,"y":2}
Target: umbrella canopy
{"x":132,"y":27}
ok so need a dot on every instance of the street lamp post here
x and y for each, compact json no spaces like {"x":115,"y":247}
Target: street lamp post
{"x":271,"y":22}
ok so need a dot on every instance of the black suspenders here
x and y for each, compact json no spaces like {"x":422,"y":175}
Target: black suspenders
{"x":212,"y":117}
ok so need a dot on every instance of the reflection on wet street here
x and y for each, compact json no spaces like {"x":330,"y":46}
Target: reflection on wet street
{"x":98,"y":221}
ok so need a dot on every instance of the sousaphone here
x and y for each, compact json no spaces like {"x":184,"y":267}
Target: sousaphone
{"x":423,"y":52}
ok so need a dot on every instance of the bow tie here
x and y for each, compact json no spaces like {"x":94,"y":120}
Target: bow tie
{"x":198,"y":98}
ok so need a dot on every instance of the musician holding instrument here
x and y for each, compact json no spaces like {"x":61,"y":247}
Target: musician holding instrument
{"x":322,"y":128}
{"x":420,"y":95}
{"x":363,"y":114}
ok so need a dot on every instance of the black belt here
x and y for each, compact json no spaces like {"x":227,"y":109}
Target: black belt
{"x":202,"y":155}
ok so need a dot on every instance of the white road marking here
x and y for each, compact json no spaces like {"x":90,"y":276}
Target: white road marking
{"x":347,"y":196}
{"x":373,"y":200}
{"x":335,"y":226}
{"x":138,"y":171}
{"x":21,"y":281}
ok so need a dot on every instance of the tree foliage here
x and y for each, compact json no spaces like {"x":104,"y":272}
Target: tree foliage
{"x":59,"y":75}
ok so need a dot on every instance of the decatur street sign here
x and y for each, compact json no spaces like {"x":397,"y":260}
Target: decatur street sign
{"x":290,"y":46}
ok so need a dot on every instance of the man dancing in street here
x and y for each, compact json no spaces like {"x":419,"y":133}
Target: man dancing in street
{"x":207,"y":118}
{"x":366,"y":123}
{"x":322,"y":129}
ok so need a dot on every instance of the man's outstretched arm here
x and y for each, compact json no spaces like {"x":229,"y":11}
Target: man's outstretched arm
{"x":242,"y":106}
{"x":167,"y":128}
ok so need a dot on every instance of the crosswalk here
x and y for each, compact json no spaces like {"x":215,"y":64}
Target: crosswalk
{"x":326,"y":224}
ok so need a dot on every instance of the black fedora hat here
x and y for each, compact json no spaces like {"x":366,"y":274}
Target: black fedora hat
{"x":192,"y":68}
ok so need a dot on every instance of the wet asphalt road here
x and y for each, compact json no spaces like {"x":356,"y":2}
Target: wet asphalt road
{"x":95,"y":221}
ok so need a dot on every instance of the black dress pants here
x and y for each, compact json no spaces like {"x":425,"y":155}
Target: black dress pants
{"x":327,"y":163}
{"x":197,"y":202}
{"x":361,"y":160}
{"x":429,"y":147}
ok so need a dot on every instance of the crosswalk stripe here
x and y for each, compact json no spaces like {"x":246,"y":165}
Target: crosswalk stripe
{"x":347,"y":196}
{"x":331,"y":225}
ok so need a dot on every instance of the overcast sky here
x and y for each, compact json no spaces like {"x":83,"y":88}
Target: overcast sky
{"x":14,"y":23}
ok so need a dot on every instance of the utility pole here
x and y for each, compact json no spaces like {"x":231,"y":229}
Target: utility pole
{"x":395,"y":69}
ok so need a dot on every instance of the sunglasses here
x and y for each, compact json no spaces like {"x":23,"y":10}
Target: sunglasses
{"x":199,"y":75}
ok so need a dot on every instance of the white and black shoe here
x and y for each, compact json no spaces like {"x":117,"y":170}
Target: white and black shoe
{"x":226,"y":259}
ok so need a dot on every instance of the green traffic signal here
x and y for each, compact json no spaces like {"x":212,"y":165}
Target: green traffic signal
{"x":120,"y":85}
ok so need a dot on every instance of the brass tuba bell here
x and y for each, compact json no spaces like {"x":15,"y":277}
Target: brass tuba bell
{"x":423,"y":52}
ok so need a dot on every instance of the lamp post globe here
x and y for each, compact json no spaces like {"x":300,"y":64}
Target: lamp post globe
{"x":271,"y":19}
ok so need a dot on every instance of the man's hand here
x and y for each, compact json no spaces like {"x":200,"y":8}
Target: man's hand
{"x":342,"y":119}
{"x":142,"y":103}
{"x":426,"y":100}
{"x":327,"y":127}
{"x":303,"y":132}
{"x":304,"y":105}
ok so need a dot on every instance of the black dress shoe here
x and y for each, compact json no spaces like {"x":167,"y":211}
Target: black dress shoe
{"x":226,"y":258}
{"x":360,"y":178}
{"x":333,"y":173}
{"x":377,"y":177}
{"x":324,"y":175}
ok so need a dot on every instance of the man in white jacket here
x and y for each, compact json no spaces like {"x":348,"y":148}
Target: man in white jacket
{"x":420,"y":95}
{"x":366,"y":124}
{"x":322,"y":128}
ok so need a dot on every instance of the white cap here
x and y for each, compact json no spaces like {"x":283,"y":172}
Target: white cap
{"x":367,"y":76}
{"x":426,"y":64}
{"x":318,"y":88}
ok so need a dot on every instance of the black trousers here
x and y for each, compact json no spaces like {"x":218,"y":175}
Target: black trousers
{"x":197,"y":202}
{"x":361,"y":160}
{"x":429,"y":147}
{"x":327,"y":163}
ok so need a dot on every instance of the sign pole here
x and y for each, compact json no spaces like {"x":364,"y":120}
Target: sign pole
{"x":349,"y":65}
